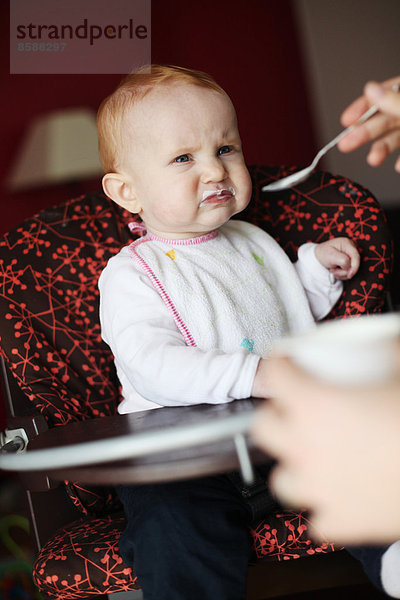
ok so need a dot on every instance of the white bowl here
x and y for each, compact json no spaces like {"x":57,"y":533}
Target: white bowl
{"x":353,"y":351}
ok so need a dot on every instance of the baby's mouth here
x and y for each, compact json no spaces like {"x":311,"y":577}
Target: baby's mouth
{"x":217,"y":196}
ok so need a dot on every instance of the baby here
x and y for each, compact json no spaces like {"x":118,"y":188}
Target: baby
{"x":191,"y":309}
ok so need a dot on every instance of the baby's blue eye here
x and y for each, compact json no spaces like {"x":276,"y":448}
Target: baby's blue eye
{"x":182,"y":158}
{"x":224,"y":150}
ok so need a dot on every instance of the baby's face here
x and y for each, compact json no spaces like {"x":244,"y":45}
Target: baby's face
{"x":185,"y":161}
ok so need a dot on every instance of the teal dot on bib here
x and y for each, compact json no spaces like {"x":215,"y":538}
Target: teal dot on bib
{"x":248,"y":344}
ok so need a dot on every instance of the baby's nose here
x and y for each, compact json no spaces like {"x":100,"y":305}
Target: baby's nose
{"x":213,"y":171}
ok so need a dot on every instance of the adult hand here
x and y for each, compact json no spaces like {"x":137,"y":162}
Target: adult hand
{"x":384,"y":127}
{"x":338,"y":453}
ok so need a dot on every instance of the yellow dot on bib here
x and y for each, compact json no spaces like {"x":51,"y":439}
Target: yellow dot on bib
{"x":171,"y":254}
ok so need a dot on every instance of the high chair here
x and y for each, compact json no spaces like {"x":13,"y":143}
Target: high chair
{"x":57,"y":372}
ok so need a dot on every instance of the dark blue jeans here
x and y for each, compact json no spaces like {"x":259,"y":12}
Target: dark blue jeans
{"x":190,"y":540}
{"x":187,"y":540}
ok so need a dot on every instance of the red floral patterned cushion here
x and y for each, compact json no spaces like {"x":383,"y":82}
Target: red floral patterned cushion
{"x":50,"y":340}
{"x":82,"y":559}
{"x":326,"y":206}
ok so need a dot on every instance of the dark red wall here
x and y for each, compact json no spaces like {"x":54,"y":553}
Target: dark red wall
{"x":250,"y":48}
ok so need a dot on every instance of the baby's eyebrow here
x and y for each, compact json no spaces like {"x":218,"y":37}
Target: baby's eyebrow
{"x":227,"y":136}
{"x":183,"y":150}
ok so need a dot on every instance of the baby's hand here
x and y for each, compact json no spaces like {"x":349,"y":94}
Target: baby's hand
{"x":340,"y":256}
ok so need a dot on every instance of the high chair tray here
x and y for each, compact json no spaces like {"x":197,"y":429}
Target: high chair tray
{"x":165,"y":444}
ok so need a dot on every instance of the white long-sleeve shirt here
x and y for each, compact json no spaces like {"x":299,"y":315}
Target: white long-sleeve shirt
{"x":188,"y":320}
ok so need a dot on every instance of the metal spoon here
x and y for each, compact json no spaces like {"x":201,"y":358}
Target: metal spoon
{"x":299,"y":176}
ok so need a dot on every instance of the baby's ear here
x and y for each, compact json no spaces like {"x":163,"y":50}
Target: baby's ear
{"x":120,"y":189}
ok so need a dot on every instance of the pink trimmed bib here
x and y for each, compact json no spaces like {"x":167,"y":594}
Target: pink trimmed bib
{"x":231,"y":289}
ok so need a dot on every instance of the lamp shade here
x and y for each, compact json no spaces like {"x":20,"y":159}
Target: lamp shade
{"x":58,"y":147}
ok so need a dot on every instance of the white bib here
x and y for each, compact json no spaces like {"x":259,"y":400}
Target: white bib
{"x":230,"y":289}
